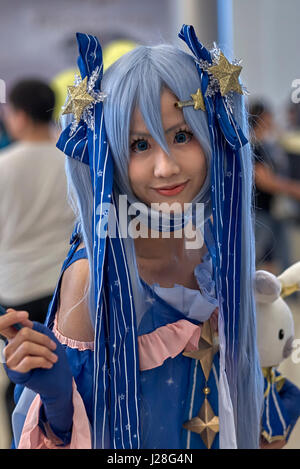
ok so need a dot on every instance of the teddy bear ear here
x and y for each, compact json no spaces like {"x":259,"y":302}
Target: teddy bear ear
{"x":290,"y":279}
{"x":267,"y":287}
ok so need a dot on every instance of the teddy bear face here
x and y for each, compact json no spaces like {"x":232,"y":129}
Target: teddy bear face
{"x":275,"y":332}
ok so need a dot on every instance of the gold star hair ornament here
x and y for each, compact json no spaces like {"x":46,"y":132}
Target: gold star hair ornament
{"x":206,"y":423}
{"x":223,"y":76}
{"x":227,"y":75}
{"x":79,"y":99}
{"x":82,"y":96}
{"x":197,"y":101}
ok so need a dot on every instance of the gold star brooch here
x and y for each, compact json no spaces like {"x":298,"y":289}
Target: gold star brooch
{"x":79,"y":100}
{"x":227,"y":75}
{"x":206,"y":349}
{"x":206,"y":424}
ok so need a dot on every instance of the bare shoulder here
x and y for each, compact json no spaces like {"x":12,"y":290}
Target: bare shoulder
{"x":73,"y":319}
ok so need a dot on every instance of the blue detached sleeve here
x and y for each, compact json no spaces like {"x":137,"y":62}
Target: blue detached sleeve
{"x":54,"y":386}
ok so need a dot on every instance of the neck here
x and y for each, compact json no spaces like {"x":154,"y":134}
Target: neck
{"x":168,"y":260}
{"x":159,"y":248}
{"x":37,"y":133}
{"x":162,"y":249}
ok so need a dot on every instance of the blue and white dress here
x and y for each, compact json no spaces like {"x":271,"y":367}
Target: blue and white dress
{"x":171,"y":384}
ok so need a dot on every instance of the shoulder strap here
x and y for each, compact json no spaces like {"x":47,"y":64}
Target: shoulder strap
{"x":73,"y":255}
{"x":80,"y":254}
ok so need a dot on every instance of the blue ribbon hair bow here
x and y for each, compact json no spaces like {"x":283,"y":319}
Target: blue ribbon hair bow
{"x":230,"y":129}
{"x":116,"y":367}
{"x":75,"y":145}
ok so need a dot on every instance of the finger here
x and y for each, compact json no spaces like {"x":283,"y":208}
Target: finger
{"x":14,"y":357}
{"x":22,"y":314}
{"x":11,"y":332}
{"x":29,"y":335}
{"x":9,"y":319}
{"x":274,"y":445}
{"x":31,"y":363}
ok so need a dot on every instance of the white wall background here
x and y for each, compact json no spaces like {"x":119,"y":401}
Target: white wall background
{"x":37,"y":37}
{"x":267,"y":38}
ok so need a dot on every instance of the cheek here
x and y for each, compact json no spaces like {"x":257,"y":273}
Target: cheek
{"x":196,"y":162}
{"x":136,"y":173}
{"x":203,"y":164}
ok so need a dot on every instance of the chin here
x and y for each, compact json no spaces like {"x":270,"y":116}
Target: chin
{"x":160,"y":199}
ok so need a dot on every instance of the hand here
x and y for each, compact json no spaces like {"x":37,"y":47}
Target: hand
{"x":274,"y":445}
{"x":27,"y":349}
{"x":30,"y":361}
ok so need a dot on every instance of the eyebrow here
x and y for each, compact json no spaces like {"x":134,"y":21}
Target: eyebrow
{"x":145,"y":134}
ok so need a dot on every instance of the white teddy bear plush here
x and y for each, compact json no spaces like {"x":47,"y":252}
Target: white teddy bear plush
{"x":275,"y":324}
{"x":275,"y":336}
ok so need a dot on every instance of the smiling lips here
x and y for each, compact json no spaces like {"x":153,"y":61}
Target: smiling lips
{"x":172,"y":190}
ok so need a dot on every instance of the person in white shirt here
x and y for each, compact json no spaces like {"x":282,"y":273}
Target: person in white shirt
{"x":36,"y":220}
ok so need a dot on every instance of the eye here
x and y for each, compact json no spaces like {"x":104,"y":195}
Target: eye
{"x":140,"y":145}
{"x":183,"y":136}
{"x":281,"y":334}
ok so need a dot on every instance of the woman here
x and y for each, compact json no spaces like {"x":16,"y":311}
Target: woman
{"x":143,"y":320}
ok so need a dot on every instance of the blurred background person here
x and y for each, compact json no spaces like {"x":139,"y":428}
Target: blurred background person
{"x":274,"y":190}
{"x":290,"y":141}
{"x":5,"y":139}
{"x":293,"y":117}
{"x":36,"y":220}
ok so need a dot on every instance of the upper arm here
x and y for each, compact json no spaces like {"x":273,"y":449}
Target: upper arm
{"x":266,"y":180}
{"x":73,"y":318}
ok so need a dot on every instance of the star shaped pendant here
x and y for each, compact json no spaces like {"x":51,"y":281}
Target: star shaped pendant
{"x":206,"y":424}
{"x":227,"y":75}
{"x":206,"y":349}
{"x":79,"y":100}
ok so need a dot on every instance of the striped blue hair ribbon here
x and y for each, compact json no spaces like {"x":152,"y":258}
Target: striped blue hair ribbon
{"x":116,"y":367}
{"x":226,"y":140}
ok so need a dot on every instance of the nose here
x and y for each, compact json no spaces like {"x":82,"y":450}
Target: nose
{"x":165,"y":165}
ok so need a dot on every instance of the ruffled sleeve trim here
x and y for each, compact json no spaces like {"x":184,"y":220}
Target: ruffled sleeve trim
{"x":33,"y":437}
{"x":167,"y":342}
{"x":75,"y":344}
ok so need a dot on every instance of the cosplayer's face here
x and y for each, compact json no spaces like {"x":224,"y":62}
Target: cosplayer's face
{"x":156,"y":176}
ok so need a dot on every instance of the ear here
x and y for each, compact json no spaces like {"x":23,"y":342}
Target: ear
{"x":23,"y":118}
{"x":290,"y":279}
{"x":267,"y":287}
